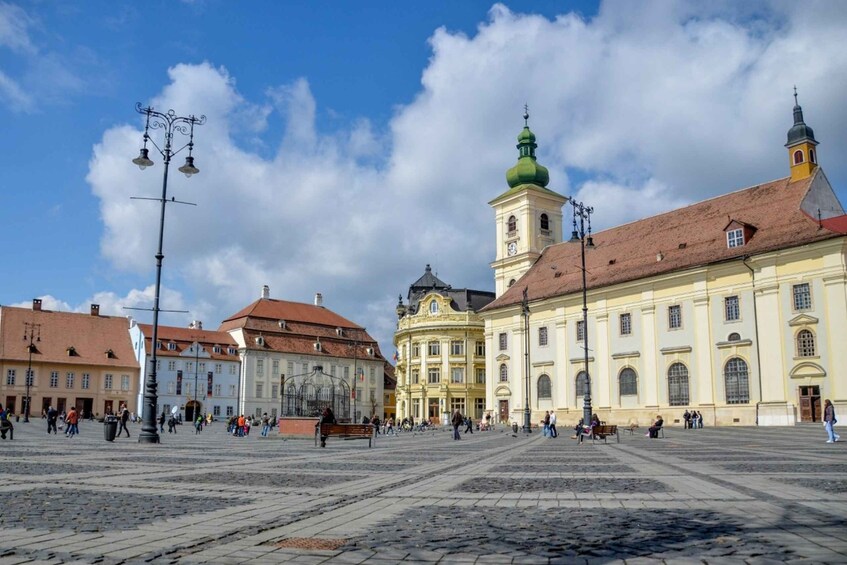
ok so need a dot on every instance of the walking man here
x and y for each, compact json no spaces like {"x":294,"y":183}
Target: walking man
{"x":72,"y":422}
{"x":553,"y":432}
{"x":468,"y":425}
{"x":52,"y":416}
{"x":456,"y":421}
{"x":124,"y":418}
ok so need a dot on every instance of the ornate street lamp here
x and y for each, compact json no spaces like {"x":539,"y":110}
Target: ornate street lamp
{"x":33,"y":333}
{"x":580,"y":235}
{"x":527,"y":423}
{"x":170,"y":123}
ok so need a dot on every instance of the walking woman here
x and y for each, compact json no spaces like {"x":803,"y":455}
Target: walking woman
{"x":829,"y":421}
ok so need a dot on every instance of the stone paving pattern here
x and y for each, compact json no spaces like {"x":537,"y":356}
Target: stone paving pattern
{"x":726,"y":495}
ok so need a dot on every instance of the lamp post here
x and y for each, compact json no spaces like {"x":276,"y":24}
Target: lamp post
{"x":196,"y":367}
{"x":170,"y":123}
{"x":579,"y":234}
{"x":33,"y":333}
{"x":527,"y":422}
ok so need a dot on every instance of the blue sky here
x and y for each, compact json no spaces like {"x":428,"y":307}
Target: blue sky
{"x":350,"y":144}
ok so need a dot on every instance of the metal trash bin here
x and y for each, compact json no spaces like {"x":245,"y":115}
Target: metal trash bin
{"x":515,"y":427}
{"x":110,"y":428}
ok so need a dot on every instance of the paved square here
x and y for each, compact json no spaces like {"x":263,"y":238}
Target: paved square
{"x":725,"y":495}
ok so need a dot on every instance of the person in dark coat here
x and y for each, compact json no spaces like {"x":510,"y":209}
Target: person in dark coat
{"x":653,"y":431}
{"x":327,"y":417}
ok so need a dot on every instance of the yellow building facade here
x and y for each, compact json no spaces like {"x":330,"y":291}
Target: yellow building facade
{"x":734,"y":307}
{"x":441,"y":352}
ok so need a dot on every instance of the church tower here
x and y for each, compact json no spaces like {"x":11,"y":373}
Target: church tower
{"x":527,"y":217}
{"x":801,"y":146}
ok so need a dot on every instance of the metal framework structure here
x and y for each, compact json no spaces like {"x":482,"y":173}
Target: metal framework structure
{"x":306,"y":395}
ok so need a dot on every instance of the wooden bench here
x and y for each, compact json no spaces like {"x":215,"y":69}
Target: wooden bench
{"x":346,"y":431}
{"x":602,"y":432}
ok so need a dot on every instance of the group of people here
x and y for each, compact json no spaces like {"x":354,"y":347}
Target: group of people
{"x":549,"y":424}
{"x":693,"y":420}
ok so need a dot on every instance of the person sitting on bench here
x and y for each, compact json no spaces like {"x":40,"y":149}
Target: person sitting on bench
{"x":327,"y":417}
{"x":653,"y":431}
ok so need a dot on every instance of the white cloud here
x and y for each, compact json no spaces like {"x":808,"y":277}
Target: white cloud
{"x":647,"y":107}
{"x":14,"y":28}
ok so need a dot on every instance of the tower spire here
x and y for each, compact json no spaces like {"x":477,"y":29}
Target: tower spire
{"x":527,"y":170}
{"x":801,"y":145}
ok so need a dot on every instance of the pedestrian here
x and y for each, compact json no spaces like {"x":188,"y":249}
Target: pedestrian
{"x":171,"y":424}
{"x":52,"y":416}
{"x":693,"y":419}
{"x":375,"y":422}
{"x":266,"y":425}
{"x":6,"y":426}
{"x":327,"y":417}
{"x":72,"y":421}
{"x":553,"y":432}
{"x":700,"y":419}
{"x":546,"y":423}
{"x":241,"y":424}
{"x":686,"y":417}
{"x":829,"y":421}
{"x":198,"y":424}
{"x":456,"y":421}
{"x":124,"y":418}
{"x":162,"y":423}
{"x":468,"y":425}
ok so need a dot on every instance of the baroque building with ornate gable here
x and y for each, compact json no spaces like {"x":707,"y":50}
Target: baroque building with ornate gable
{"x":735,"y":307}
{"x":441,"y":351}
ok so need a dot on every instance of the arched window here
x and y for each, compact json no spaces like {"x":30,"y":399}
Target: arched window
{"x":545,"y":390}
{"x":798,"y":157}
{"x":678,"y":385}
{"x":734,"y":336}
{"x":628,"y":382}
{"x":812,"y":156}
{"x":504,"y":373}
{"x":512,"y":224}
{"x":736,"y":381}
{"x":511,"y":282}
{"x":581,"y":384}
{"x":545,"y":222}
{"x":805,"y":343}
{"x":433,"y":307}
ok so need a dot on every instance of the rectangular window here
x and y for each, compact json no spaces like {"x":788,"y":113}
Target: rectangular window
{"x":802,"y":297}
{"x":219,"y":368}
{"x":434,"y":348}
{"x":457,"y":404}
{"x":171,"y":387}
{"x":416,"y":350}
{"x":480,"y":349}
{"x":457,"y":375}
{"x":274,"y":391}
{"x":580,"y":330}
{"x":260,"y":367}
{"x":69,"y":380}
{"x":480,"y":375}
{"x":232,"y":370}
{"x":167,"y":409}
{"x":416,"y":376}
{"x":291,"y":368}
{"x":275,"y":367}
{"x":346,"y":373}
{"x":332,"y":370}
{"x":305,"y":368}
{"x":216,"y":411}
{"x":231,"y":390}
{"x":258,"y":412}
{"x":54,"y":379}
{"x":171,"y":365}
{"x":124,"y":382}
{"x":10,"y":377}
{"x":86,"y":380}
{"x":189,"y":367}
{"x":260,"y":389}
{"x":735,"y":238}
{"x":457,"y":348}
{"x":503,"y":342}
{"x":230,"y":410}
{"x":202,"y":367}
{"x":542,"y":336}
{"x":216,"y":390}
{"x":30,"y":377}
{"x":186,"y":388}
{"x":626,"y":324}
{"x":107,"y":382}
{"x":731,"y":310}
{"x":479,"y":408}
{"x":674,"y":317}
{"x":434,"y":376}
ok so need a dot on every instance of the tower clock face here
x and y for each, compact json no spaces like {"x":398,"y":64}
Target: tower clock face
{"x":512,"y":248}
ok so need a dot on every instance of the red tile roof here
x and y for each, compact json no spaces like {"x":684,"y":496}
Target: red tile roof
{"x":184,"y":337}
{"x":90,"y":336}
{"x":681,"y":239}
{"x":275,"y":310}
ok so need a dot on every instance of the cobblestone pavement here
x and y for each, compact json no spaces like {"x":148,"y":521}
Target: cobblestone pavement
{"x":727,"y":495}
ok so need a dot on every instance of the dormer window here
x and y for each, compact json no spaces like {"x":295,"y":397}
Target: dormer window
{"x":282,"y":324}
{"x":72,"y":351}
{"x":216,"y":348}
{"x":318,"y":346}
{"x":339,"y":332}
{"x":370,"y":351}
{"x":512,"y":225}
{"x":798,"y":157}
{"x":260,"y":341}
{"x":158,"y":345}
{"x":171,"y":346}
{"x":735,"y":238}
{"x":231,"y":351}
{"x":433,"y":307}
{"x":110,"y":354}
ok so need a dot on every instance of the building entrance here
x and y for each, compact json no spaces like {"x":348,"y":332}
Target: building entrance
{"x":192,"y":409}
{"x":810,"y":404}
{"x":503,"y":412}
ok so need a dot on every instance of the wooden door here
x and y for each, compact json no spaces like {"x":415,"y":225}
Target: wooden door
{"x":503,"y":411}
{"x":810,"y":404}
{"x":10,"y":404}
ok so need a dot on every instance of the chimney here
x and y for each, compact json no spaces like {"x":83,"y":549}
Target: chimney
{"x":195,"y":325}
{"x":266,"y":291}
{"x":95,"y":309}
{"x":319,"y":299}
{"x":36,"y":304}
